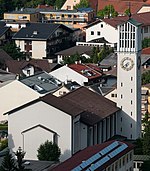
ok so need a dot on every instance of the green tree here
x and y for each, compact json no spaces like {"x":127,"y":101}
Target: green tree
{"x":3,"y":144}
{"x":138,"y":150}
{"x":59,"y":3}
{"x":146,"y":42}
{"x":49,"y":151}
{"x":146,"y":77}
{"x":14,"y":51}
{"x":127,"y":12}
{"x":108,"y":11}
{"x":145,"y":166}
{"x":146,"y":139}
{"x":8,"y":163}
{"x":82,"y":4}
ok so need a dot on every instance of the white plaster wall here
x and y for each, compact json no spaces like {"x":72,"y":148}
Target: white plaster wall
{"x":109,"y":96}
{"x":61,"y":91}
{"x":70,"y":3}
{"x":40,"y":135}
{"x":46,"y":115}
{"x":20,"y":44}
{"x":129,"y":80}
{"x":14,"y":95}
{"x":65,"y":73}
{"x":108,"y":32}
{"x":31,"y":69}
{"x":38,"y":49}
{"x":144,"y":9}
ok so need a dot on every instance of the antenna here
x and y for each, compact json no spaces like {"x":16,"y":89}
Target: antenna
{"x":129,"y":14}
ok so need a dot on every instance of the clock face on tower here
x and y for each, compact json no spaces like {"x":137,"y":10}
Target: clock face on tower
{"x":127,"y":63}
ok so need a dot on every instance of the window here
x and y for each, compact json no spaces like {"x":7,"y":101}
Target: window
{"x":92,"y":32}
{"x":131,"y":125}
{"x":131,"y":78}
{"x":98,"y":33}
{"x":120,"y":163}
{"x":101,"y":25}
{"x":130,"y":156}
{"x":131,"y":136}
{"x":131,"y":113}
{"x":121,"y":129}
{"x":121,"y":96}
{"x":62,"y":15}
{"x":121,"y":84}
{"x":131,"y":102}
{"x":113,"y":95}
{"x":121,"y":119}
{"x":123,"y":161}
{"x":131,"y":91}
{"x":127,"y":158}
{"x":146,"y":29}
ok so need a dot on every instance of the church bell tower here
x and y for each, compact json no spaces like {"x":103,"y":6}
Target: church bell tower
{"x":129,"y":79}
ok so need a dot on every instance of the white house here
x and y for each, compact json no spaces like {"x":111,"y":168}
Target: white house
{"x":73,"y":121}
{"x":78,"y":72}
{"x":14,"y":95}
{"x":69,"y":4}
{"x":101,"y":29}
{"x":107,"y":28}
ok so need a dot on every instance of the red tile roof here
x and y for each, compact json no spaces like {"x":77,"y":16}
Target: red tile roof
{"x":85,"y":70}
{"x":141,"y":18}
{"x":88,"y":152}
{"x":120,"y":5}
{"x":146,"y":51}
{"x":45,"y":7}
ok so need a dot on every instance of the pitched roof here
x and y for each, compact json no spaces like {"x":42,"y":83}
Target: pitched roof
{"x":3,"y":30}
{"x":91,"y":107}
{"x":123,"y":5}
{"x":140,"y":18}
{"x":73,"y":50}
{"x":38,"y":31}
{"x":85,"y":70}
{"x":90,"y":151}
{"x":92,"y":102}
{"x":42,"y":82}
{"x":146,"y":51}
{"x":4,"y":56}
{"x":16,"y":67}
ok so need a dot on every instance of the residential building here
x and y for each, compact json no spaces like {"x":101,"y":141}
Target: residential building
{"x":80,"y":50}
{"x":129,"y":78}
{"x":42,"y":83}
{"x":144,"y":103}
{"x":81,"y":73}
{"x":100,"y":28}
{"x":75,"y":18}
{"x":25,"y":68}
{"x":72,"y":18}
{"x":69,"y":4}
{"x":135,"y":6}
{"x":83,"y":118}
{"x":23,"y":15}
{"x":111,"y":155}
{"x":40,"y":40}
{"x":146,"y":98}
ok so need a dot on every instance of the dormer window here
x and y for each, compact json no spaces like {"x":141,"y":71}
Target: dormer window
{"x":35,"y":32}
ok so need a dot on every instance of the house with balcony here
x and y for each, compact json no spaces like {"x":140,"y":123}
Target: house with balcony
{"x":41,"y":40}
{"x":72,"y":18}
